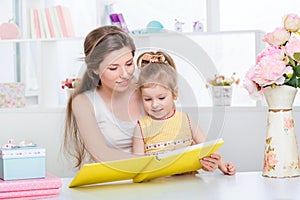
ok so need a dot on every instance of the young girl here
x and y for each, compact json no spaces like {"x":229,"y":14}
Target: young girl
{"x":164,"y":128}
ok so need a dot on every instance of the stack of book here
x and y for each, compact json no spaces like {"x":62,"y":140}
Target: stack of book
{"x":50,"y":22}
{"x":39,"y":188}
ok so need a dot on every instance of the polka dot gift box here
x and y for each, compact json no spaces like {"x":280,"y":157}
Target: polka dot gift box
{"x":22,"y":162}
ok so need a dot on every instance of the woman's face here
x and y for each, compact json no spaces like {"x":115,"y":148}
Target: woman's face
{"x":116,"y":70}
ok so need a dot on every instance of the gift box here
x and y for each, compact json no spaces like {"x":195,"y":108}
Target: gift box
{"x":22,"y":163}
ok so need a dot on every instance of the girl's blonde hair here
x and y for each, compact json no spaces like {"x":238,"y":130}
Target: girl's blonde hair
{"x":157,"y":68}
{"x":97,"y":45}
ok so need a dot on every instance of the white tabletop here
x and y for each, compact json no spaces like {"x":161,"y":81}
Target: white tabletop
{"x":243,"y":185}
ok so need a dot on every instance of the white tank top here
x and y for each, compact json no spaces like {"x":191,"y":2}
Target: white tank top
{"x":117,"y":133}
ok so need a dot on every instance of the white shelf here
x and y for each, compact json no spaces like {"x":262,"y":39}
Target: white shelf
{"x":41,"y":40}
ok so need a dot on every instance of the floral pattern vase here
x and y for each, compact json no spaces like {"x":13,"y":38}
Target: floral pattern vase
{"x":281,"y":159}
{"x":222,"y":95}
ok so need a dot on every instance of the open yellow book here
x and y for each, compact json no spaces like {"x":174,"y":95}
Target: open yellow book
{"x":146,"y":167}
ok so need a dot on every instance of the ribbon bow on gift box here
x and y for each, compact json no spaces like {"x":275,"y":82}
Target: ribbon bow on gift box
{"x":24,"y":143}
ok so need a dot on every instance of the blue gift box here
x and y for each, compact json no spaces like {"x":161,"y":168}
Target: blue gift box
{"x":22,"y":163}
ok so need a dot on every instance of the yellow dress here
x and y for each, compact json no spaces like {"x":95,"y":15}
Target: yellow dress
{"x":166,"y":134}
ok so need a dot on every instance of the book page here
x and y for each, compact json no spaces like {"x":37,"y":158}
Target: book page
{"x":178,"y":161}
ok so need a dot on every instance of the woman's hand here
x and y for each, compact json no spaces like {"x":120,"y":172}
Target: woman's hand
{"x":211,"y":163}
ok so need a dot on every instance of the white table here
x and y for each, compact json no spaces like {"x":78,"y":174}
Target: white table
{"x":243,"y":185}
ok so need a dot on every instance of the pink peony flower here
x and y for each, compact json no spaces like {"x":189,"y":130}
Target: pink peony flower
{"x":278,"y":37}
{"x":271,"y":51}
{"x":251,"y":86}
{"x":291,"y":22}
{"x":276,"y":65}
{"x":269,"y":71}
{"x":292,"y":46}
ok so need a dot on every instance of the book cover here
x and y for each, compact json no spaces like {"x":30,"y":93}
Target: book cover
{"x":32,"y":27}
{"x":49,"y":182}
{"x":55,"y":20}
{"x":37,"y":23}
{"x":65,"y":21}
{"x":110,"y":171}
{"x":45,"y":23}
{"x":146,"y":167}
{"x":41,"y":23}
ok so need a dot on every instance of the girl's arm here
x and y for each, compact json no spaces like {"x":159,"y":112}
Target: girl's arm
{"x":138,"y":147}
{"x":89,"y":132}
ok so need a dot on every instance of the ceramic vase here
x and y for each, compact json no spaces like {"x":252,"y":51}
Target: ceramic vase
{"x":281,"y":159}
{"x":222,"y":95}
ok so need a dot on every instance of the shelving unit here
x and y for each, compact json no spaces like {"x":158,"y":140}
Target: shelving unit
{"x":40,"y":63}
{"x":53,"y":60}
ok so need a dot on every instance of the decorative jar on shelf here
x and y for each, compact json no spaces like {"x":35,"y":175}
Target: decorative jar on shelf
{"x":221,"y":95}
{"x":281,"y":157}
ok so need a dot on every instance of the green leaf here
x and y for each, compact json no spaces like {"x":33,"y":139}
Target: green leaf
{"x":297,"y":56}
{"x":298,"y":82}
{"x":293,"y":81}
{"x":291,"y":61}
{"x":297,"y":70}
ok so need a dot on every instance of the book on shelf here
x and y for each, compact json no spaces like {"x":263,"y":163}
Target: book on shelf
{"x":145,"y":168}
{"x":65,"y":21}
{"x":32,"y":24}
{"x":30,"y":188}
{"x":50,"y":22}
{"x":45,"y":25}
{"x":36,"y":23}
{"x":56,"y":24}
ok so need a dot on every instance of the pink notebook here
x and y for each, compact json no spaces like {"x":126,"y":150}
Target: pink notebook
{"x":30,"y":194}
{"x":49,"y":182}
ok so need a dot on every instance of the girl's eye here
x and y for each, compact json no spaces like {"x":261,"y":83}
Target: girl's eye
{"x":147,"y":99}
{"x":161,"y":98}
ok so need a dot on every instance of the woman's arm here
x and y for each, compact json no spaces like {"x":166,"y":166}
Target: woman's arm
{"x":138,"y":147}
{"x":90,"y":133}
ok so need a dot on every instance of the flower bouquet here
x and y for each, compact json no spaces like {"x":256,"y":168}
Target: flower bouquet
{"x":221,"y":80}
{"x":279,"y":63}
{"x":70,"y":84}
{"x":276,"y":74}
{"x":221,"y":88}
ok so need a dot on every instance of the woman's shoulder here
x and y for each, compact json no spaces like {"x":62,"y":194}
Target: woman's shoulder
{"x":81,"y":100}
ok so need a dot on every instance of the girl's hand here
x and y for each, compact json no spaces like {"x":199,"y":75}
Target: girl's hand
{"x":227,"y":168}
{"x":211,"y":163}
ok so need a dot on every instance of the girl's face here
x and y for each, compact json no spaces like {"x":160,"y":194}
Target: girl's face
{"x":116,"y":70}
{"x":158,"y":101}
